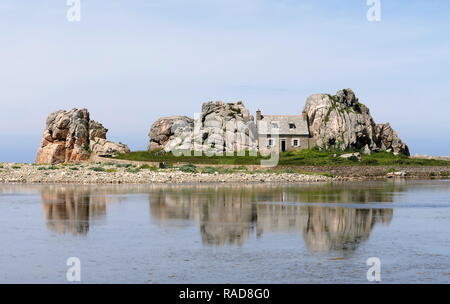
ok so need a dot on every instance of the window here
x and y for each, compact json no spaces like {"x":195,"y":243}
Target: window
{"x":270,"y":142}
{"x":292,"y":125}
{"x":274,"y":125}
{"x":296,"y":142}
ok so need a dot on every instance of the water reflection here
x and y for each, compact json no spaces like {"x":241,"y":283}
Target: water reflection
{"x":227,"y":215}
{"x":231,"y":214}
{"x":70,"y":209}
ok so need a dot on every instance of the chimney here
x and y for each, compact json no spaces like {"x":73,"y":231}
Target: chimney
{"x":258,"y":115}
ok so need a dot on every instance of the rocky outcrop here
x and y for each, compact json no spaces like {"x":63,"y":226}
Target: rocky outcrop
{"x":168,"y":132}
{"x":340,"y":121}
{"x":336,"y":121}
{"x":228,"y":127}
{"x":388,"y":140}
{"x":70,"y":136}
{"x":97,"y":130}
{"x":220,"y":127}
{"x":99,"y":145}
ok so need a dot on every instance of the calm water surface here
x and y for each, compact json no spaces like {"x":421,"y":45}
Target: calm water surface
{"x":226,"y":233}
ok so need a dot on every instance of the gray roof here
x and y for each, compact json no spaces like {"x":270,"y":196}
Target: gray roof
{"x":283,"y":121}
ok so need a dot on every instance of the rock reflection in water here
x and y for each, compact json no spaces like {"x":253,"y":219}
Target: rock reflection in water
{"x":324,"y":228}
{"x":230,"y":214}
{"x":227,"y":215}
{"x":69,"y":209}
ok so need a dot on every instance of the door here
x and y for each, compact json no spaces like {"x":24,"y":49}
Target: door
{"x":283,"y":145}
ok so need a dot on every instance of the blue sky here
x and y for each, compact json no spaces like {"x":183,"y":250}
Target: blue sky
{"x":130,"y":62}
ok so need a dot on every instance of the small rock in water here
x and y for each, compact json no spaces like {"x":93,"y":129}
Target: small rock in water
{"x":397,"y":174}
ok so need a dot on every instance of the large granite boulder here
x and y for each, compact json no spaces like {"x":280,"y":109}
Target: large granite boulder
{"x":168,"y":132}
{"x":340,"y":121}
{"x":227,"y":127}
{"x":70,"y":136}
{"x":220,"y":127}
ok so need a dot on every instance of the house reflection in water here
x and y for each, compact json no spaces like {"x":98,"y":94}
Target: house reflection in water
{"x":227,"y":215}
{"x":231,"y":214}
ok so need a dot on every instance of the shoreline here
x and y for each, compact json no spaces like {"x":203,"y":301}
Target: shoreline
{"x":113,"y":173}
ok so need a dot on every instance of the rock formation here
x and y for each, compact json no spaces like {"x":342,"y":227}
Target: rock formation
{"x":167,"y":132}
{"x":99,"y":145}
{"x":220,"y":127}
{"x":340,"y":121}
{"x":70,"y":136}
{"x":388,"y":140}
{"x":336,"y":121}
{"x":228,"y":126}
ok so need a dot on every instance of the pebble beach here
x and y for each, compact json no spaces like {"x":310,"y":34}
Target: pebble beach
{"x":113,"y":174}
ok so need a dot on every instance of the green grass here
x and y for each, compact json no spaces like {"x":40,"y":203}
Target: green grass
{"x":48,"y":168}
{"x":16,"y":167}
{"x":172,"y":159}
{"x":124,"y":165}
{"x":98,"y":169}
{"x":189,"y":168}
{"x":147,"y":167}
{"x":210,"y":170}
{"x":133,"y":170}
{"x":312,"y":157}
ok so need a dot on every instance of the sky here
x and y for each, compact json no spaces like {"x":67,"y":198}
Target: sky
{"x":131,"y":62}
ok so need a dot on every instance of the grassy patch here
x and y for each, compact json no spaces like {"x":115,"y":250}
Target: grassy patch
{"x":111,"y":170}
{"x":313,"y":157}
{"x":98,"y":169}
{"x":221,"y":170}
{"x":16,"y":167}
{"x":204,"y":159}
{"x":124,"y":165}
{"x":147,"y":167}
{"x":210,"y":170}
{"x":133,"y":170}
{"x":48,"y":168}
{"x":189,"y":168}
